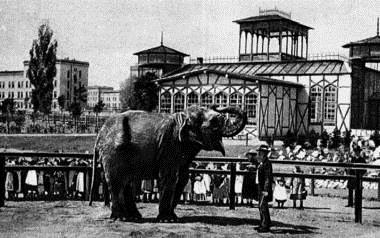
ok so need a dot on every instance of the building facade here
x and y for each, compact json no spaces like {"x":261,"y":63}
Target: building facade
{"x":109,"y":96}
{"x":71,"y":75}
{"x":273,"y":48}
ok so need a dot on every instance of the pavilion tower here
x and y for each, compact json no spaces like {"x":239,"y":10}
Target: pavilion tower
{"x":272,"y":36}
{"x":365,"y":59}
{"x":159,"y":60}
{"x":367,"y":50}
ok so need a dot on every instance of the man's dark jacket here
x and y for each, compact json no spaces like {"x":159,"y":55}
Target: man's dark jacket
{"x":265,"y":179}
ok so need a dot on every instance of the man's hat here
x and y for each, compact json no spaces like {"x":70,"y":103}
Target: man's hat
{"x":251,"y":152}
{"x":264,"y":148}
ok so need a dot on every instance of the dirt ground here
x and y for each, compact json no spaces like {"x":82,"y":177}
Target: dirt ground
{"x":322,"y":217}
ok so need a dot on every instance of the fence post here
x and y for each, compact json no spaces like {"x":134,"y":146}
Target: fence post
{"x":378,"y":190}
{"x":312,"y":183}
{"x":87,"y":184}
{"x":232,"y":185}
{"x":246,"y":139}
{"x":358,"y":197}
{"x":2,"y":180}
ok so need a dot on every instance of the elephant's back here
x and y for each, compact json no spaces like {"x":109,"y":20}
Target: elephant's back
{"x":133,"y":135}
{"x":132,"y":127}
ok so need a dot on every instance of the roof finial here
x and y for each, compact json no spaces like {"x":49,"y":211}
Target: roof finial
{"x":162,"y":38}
{"x":377,"y":26}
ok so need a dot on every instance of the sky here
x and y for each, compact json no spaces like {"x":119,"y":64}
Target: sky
{"x":107,"y":33}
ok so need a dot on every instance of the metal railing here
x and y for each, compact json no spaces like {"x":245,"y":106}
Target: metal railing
{"x":235,"y":59}
{"x":232,"y":172}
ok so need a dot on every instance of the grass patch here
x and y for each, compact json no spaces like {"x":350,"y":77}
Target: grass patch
{"x":86,"y":143}
{"x":49,"y":143}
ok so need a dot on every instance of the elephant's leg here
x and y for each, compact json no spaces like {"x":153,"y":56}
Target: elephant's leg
{"x":130,"y":205}
{"x":118,"y":201}
{"x":106,"y":193}
{"x":167,"y":185}
{"x":182,"y":181}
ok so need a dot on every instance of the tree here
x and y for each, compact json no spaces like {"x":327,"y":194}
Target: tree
{"x":61,"y":102}
{"x":144,"y":93}
{"x":98,"y":109}
{"x":8,"y":109}
{"x":8,"y":106}
{"x":80,"y":99}
{"x":126,"y":90}
{"x":26,"y":101}
{"x":42,"y":70}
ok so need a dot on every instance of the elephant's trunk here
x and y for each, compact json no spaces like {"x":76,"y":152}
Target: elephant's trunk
{"x":232,"y":129}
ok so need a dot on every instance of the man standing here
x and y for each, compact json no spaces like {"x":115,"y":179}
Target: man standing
{"x":356,"y":156}
{"x":264,"y":180}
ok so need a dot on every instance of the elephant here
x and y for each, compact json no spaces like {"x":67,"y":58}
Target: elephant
{"x":136,"y":145}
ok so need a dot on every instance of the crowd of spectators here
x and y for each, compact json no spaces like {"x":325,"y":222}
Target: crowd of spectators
{"x":201,"y":187}
{"x":44,"y":184}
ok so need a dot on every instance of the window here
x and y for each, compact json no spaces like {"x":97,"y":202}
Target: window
{"x":68,"y":74}
{"x":221,"y":99}
{"x":18,"y":84}
{"x":9,"y":84}
{"x":26,"y":84}
{"x":206,"y":100}
{"x":55,"y":94}
{"x":179,"y":101}
{"x":250,"y":107}
{"x":55,"y":83}
{"x":316,"y":104}
{"x":75,"y":78}
{"x":236,"y":100}
{"x":165,"y":102}
{"x":328,"y":101}
{"x":80,"y":73}
{"x":192,"y":99}
{"x":330,"y":104}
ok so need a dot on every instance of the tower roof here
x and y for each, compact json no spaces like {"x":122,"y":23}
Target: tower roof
{"x":161,"y":50}
{"x":275,"y":18}
{"x":375,"y":40}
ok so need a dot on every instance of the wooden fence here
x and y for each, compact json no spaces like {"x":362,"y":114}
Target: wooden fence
{"x":232,"y":172}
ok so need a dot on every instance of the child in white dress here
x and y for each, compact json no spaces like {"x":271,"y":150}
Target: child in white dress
{"x":279,"y":194}
{"x":200,"y":188}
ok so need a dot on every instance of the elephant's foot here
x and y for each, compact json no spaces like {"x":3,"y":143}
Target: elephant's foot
{"x":115,"y":215}
{"x":135,"y":217}
{"x":167,"y":218}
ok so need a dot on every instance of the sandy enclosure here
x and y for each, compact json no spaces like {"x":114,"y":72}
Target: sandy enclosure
{"x":322,"y":217}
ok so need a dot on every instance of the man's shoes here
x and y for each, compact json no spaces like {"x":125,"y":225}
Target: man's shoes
{"x":263,"y":230}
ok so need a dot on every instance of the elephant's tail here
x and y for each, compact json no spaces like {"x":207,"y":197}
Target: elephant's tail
{"x":94,"y":165}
